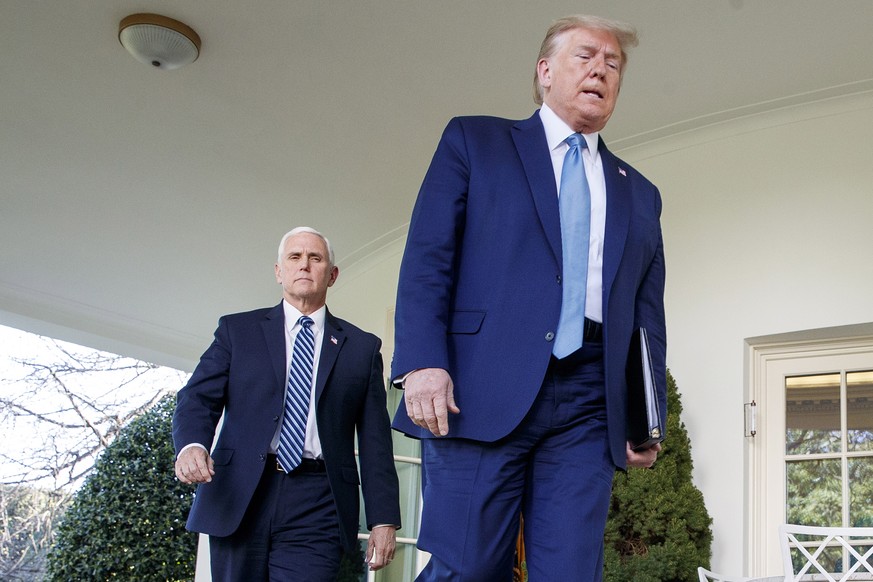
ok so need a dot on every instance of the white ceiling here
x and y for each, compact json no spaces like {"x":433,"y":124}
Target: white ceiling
{"x":138,"y":205}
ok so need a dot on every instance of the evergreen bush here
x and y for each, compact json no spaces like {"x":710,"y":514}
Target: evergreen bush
{"x":658,"y":528}
{"x":127,"y":522}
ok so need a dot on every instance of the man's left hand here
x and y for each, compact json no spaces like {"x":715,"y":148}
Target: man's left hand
{"x":380,"y":547}
{"x":644,"y":459}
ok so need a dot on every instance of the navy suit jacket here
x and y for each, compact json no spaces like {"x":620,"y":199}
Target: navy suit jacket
{"x":480,"y":282}
{"x":243,"y":375}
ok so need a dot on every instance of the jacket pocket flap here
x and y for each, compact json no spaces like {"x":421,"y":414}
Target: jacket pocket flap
{"x":465,"y":321}
{"x":222,"y":456}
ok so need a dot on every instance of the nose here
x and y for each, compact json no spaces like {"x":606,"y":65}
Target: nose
{"x":597,"y":66}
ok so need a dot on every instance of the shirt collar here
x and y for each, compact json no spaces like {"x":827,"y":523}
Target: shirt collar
{"x":557,"y":131}
{"x":292,"y":315}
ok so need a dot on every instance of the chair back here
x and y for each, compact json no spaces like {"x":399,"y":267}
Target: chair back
{"x":829,"y":554}
{"x":707,"y":576}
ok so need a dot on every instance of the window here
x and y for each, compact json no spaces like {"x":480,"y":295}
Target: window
{"x":829,"y":449}
{"x":811,"y":459}
{"x":408,"y":560}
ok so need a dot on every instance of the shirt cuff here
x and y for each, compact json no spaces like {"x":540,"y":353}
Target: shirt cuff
{"x":400,"y":381}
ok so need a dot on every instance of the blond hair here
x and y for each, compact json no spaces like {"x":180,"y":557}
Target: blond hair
{"x":625,"y":34}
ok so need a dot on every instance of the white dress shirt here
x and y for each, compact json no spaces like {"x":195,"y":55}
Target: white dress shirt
{"x":312,"y":444}
{"x":556,"y":134}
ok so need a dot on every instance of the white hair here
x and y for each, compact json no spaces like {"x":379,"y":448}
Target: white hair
{"x":301,"y":229}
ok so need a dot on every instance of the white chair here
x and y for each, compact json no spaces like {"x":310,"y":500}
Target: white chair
{"x":832,"y":554}
{"x":707,"y":576}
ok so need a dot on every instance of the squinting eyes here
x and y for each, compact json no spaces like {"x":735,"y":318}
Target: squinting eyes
{"x":610,"y":64}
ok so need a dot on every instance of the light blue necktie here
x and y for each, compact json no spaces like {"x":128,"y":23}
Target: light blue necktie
{"x":297,"y":398}
{"x":575,"y":207}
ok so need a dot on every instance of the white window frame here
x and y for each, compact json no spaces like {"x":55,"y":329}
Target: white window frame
{"x":768,"y":361}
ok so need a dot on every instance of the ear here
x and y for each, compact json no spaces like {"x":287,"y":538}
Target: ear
{"x":544,"y":73}
{"x":278,"y":273}
{"x":334,"y":273}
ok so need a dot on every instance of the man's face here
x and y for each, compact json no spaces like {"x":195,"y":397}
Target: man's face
{"x":305,"y":272}
{"x":582,"y":78}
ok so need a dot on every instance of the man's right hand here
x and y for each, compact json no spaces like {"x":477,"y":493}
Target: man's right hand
{"x":429,"y":398}
{"x":194,"y":465}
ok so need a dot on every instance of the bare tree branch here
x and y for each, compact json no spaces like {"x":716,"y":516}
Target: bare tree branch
{"x":74,"y":402}
{"x":59,"y":409}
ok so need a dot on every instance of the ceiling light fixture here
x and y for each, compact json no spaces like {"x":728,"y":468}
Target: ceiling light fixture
{"x":159,"y":41}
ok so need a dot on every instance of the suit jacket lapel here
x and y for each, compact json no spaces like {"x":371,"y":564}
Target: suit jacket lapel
{"x":618,"y":210}
{"x":333,"y":340}
{"x":274,"y":332}
{"x":530,"y":141}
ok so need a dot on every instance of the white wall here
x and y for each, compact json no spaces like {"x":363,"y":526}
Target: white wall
{"x":767,"y":224}
{"x":364,"y":292}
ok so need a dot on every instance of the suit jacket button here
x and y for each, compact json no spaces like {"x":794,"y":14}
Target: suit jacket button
{"x":559,"y":279}
{"x":262,"y":457}
{"x":550,"y":336}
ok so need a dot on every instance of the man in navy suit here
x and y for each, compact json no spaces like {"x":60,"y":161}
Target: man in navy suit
{"x":508,"y":425}
{"x":266,"y":521}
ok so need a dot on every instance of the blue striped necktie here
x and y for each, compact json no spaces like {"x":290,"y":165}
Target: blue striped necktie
{"x":575,"y":207}
{"x":297,"y":398}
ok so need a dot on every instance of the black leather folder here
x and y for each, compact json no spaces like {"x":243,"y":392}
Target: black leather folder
{"x":645,"y":427}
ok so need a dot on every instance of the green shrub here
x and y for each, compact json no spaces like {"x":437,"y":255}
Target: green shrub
{"x":658,"y":528}
{"x":127,"y":522}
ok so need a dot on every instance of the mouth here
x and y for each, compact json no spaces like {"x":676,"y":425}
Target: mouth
{"x":593,"y":93}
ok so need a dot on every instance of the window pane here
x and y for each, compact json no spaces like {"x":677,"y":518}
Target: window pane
{"x":859,"y":390}
{"x":861,"y":492}
{"x":409,"y":476}
{"x":812,"y":414}
{"x":814,"y":493}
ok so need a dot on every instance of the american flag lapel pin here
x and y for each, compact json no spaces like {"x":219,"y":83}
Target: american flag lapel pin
{"x":333,"y":340}
{"x":622,"y":172}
